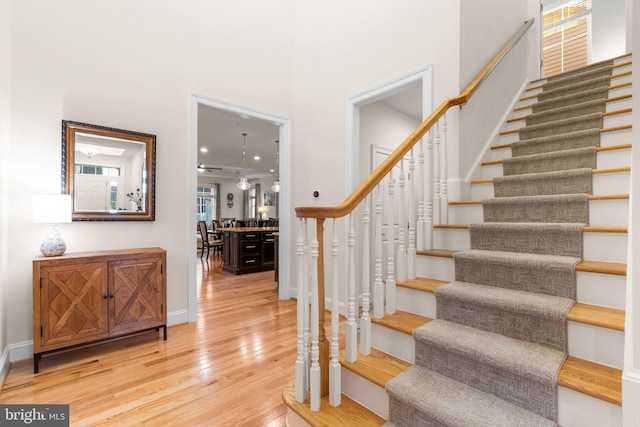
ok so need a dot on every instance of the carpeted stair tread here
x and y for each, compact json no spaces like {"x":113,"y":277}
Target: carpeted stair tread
{"x":593,"y":83}
{"x":587,"y":121}
{"x":546,"y":274}
{"x":566,"y":112}
{"x":520,"y":372}
{"x":577,"y":158}
{"x":435,"y":400}
{"x":570,"y":181}
{"x":562,"y":208}
{"x":569,"y":99}
{"x":570,"y":78}
{"x":527,"y":316}
{"x":563,"y":239}
{"x":553,"y":143}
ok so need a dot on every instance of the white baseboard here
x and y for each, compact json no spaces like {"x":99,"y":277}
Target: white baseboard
{"x":630,"y":398}
{"x":4,"y":364}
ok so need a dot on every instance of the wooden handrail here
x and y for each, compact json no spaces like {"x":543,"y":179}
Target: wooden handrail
{"x":350,"y":203}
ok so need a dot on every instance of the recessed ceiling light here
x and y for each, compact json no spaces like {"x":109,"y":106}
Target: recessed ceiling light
{"x":272,"y":170}
{"x":203,"y":150}
{"x":256,"y":157}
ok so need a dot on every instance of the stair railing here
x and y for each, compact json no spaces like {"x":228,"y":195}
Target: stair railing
{"x":317,"y":368}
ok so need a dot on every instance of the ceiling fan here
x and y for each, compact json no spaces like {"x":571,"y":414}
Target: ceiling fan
{"x":203,"y":168}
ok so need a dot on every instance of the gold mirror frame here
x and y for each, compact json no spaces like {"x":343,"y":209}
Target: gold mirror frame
{"x":145,"y":210}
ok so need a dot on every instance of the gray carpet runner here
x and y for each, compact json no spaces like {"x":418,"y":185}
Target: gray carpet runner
{"x":492,"y":355}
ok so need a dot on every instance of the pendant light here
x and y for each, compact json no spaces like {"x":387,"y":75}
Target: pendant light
{"x":244,"y":184}
{"x":276,"y":185}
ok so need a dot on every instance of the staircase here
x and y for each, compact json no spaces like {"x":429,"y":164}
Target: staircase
{"x":589,"y":377}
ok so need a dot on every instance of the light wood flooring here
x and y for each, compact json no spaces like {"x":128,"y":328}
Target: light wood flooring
{"x":227,"y":369}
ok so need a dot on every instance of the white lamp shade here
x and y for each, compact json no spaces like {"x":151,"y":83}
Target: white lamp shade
{"x":51,"y":208}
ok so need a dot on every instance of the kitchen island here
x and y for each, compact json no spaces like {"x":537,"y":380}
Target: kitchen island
{"x":248,"y":249}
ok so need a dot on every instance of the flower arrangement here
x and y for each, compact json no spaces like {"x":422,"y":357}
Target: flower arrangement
{"x":136,"y":198}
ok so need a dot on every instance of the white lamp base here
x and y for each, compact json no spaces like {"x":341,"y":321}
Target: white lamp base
{"x":53,"y":245}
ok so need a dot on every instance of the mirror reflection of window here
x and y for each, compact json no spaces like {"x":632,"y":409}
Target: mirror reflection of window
{"x":106,"y":170}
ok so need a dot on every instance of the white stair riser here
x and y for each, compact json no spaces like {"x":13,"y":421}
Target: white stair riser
{"x":366,"y":393}
{"x":608,"y":159}
{"x":574,"y":409}
{"x":577,"y":409}
{"x":452,"y":239}
{"x":608,"y":290}
{"x":601,"y":213}
{"x":601,"y":345}
{"x":603,"y":184}
{"x":608,"y":247}
{"x":392,"y":342}
{"x":416,"y":302}
{"x":592,"y":288}
{"x":613,"y":120}
{"x":619,"y":105}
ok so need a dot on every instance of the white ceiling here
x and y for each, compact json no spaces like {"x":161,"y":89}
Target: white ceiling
{"x":221,"y":133}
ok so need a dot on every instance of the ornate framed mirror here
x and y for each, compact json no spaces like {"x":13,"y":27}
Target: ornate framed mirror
{"x":109,"y":172}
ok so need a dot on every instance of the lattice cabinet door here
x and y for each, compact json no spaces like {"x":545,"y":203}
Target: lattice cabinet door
{"x":138,"y":295}
{"x":73,"y":305}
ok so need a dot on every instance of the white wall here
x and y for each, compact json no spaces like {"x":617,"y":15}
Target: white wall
{"x":631,"y":373}
{"x":608,"y":26}
{"x":129,"y":65}
{"x":479,"y":43}
{"x":5,"y":116}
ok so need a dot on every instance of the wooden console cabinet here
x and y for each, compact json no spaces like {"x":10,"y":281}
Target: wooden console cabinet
{"x":248,"y":250}
{"x":85,"y":298}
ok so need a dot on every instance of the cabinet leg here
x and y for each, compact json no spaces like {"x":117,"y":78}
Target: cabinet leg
{"x":36,"y":363}
{"x":165,"y":332}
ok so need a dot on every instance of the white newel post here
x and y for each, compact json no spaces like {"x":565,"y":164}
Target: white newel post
{"x":429,"y":186}
{"x":378,"y":285}
{"x":420,"y":226}
{"x":401,"y":258}
{"x":444,"y":196}
{"x":334,"y":366}
{"x":390,"y":286}
{"x":411,"y":249}
{"x":315,"y":319}
{"x":365,"y":320}
{"x":436,"y":175}
{"x":301,"y":361}
{"x":352,"y":326}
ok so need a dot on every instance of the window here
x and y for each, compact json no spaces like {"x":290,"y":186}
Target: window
{"x":566,"y":39}
{"x":97,"y":170}
{"x":208,"y":201}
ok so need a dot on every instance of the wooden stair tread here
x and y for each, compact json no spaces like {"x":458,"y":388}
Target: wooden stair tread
{"x":616,"y":268}
{"x":592,"y":379}
{"x":377,"y":367}
{"x":587,"y":228}
{"x":598,"y":150}
{"x":591,"y":197}
{"x":595,"y":315}
{"x":401,"y":321}
{"x":348,"y":413}
{"x":443,"y":253}
{"x":605,"y":114}
{"x":422,"y":284}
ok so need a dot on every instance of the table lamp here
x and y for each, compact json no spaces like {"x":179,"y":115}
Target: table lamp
{"x":52,"y":209}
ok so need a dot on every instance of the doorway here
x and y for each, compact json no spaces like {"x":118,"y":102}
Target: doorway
{"x":284,"y":134}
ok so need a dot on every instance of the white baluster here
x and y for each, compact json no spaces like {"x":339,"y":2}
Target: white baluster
{"x":390,"y":286}
{"x":314,"y":387}
{"x":365,"y":320}
{"x":378,"y":285}
{"x":401,"y":258}
{"x":411,"y":249}
{"x":301,"y":365}
{"x":428,"y":170}
{"x":334,"y":367}
{"x":308,"y":277}
{"x":421,"y":225}
{"x":352,"y":326}
{"x":444,"y":196}
{"x":436,"y":175}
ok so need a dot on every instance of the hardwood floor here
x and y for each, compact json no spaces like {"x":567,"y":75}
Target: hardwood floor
{"x":226,"y":369}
